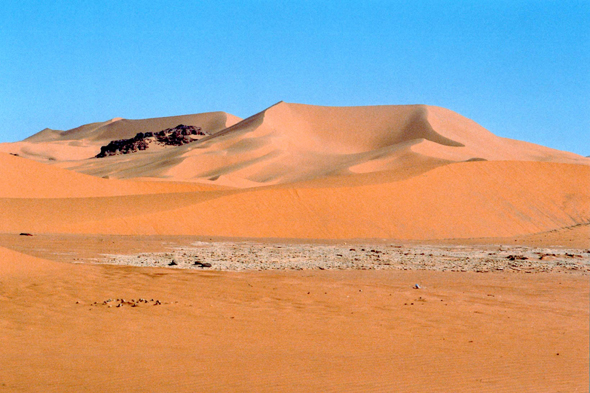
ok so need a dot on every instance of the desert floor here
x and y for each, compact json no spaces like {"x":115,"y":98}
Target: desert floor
{"x":339,"y":329}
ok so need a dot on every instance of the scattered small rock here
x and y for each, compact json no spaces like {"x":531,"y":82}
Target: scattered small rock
{"x":516,"y":257}
{"x":258,"y":256}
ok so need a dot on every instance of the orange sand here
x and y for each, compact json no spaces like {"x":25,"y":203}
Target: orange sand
{"x":464,"y":200}
{"x":298,"y":331}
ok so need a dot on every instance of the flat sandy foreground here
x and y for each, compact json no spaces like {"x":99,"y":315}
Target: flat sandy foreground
{"x":357,"y":325}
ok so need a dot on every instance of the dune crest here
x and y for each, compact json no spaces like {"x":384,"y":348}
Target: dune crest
{"x":294,"y":142}
{"x":297,"y":171}
{"x":13,"y":263}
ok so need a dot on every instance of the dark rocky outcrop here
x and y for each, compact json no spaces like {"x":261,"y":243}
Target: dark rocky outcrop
{"x":177,"y":136}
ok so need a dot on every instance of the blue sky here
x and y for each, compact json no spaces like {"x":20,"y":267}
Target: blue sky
{"x":519,"y":68}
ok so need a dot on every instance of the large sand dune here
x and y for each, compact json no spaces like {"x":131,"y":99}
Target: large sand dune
{"x":301,"y":171}
{"x":287,"y":143}
{"x":473,"y":199}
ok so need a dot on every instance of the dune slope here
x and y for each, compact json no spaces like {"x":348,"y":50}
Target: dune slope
{"x":473,"y":199}
{"x":23,"y":178}
{"x":15,"y":264}
{"x":463,"y":200}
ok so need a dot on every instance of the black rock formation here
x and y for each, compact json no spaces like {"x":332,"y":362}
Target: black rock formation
{"x":177,"y":136}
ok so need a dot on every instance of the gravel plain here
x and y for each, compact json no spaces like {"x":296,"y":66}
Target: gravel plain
{"x":239,"y":256}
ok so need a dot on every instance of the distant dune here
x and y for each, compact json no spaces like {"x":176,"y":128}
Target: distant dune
{"x":286,"y":143}
{"x":296,"y":171}
{"x":84,"y":142}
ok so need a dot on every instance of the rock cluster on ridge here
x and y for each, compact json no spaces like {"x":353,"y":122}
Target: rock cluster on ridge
{"x":177,"y":136}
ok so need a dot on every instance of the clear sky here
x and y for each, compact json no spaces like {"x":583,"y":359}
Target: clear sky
{"x":519,"y":68}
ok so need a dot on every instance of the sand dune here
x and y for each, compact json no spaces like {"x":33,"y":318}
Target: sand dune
{"x":473,"y":199}
{"x":293,"y":142}
{"x":23,"y":178}
{"x":84,"y":142}
{"x":302,"y":171}
{"x":288,"y":143}
{"x":15,"y":264}
{"x":404,"y":172}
